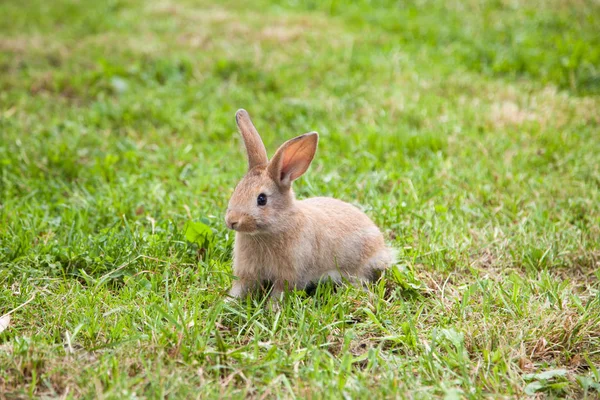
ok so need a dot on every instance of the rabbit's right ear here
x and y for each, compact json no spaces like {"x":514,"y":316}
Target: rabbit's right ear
{"x":257,"y":154}
{"x":293,"y":158}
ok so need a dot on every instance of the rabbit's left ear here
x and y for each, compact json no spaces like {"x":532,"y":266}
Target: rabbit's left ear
{"x":293,"y":158}
{"x":257,"y":154}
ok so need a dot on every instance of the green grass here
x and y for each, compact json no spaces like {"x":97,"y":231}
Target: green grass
{"x":468,"y":131}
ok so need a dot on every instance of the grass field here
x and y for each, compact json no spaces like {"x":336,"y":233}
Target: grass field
{"x":468,"y":130}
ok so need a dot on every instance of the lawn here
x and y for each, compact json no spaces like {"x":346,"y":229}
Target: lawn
{"x":469,"y":131}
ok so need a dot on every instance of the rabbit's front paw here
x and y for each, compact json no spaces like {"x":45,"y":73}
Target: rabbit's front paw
{"x":238,"y":290}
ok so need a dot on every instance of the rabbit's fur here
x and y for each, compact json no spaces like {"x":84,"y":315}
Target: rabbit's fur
{"x":293,"y":242}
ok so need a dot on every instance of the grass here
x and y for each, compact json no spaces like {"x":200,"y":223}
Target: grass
{"x":468,"y":131}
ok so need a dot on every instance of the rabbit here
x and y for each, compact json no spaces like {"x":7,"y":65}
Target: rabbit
{"x":293,"y":243}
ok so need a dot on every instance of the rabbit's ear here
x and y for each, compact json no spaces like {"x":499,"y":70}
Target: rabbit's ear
{"x":257,"y":154}
{"x":293,"y":158}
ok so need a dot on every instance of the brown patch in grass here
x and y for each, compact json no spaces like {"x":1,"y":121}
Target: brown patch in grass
{"x":558,"y":335}
{"x":22,"y":44}
{"x":168,"y":8}
{"x":543,"y":336}
{"x":28,"y":47}
{"x":195,"y":40}
{"x":584,"y":261}
{"x":542,"y":332}
{"x":548,"y":107}
{"x":488,"y":259}
{"x":508,"y":113}
{"x":46,"y":84}
{"x":59,"y":376}
{"x":212,"y":27}
{"x":282,"y":33}
{"x":442,"y":285}
{"x":526,"y":365}
{"x":581,"y":270}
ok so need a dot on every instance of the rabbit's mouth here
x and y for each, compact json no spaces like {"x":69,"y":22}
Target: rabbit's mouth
{"x":245,"y":224}
{"x":254,"y":229}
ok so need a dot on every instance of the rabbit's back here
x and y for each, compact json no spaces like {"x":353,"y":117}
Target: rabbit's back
{"x":342,"y":238}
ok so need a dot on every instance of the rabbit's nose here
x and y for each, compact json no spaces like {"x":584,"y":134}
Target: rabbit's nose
{"x":232,"y":221}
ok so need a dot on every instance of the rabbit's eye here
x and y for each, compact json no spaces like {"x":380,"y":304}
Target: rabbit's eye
{"x":261,"y":199}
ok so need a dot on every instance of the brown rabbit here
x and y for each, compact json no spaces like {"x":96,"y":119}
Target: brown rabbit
{"x":293,"y":242}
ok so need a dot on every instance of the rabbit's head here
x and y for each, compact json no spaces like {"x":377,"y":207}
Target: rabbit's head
{"x":263,"y":199}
